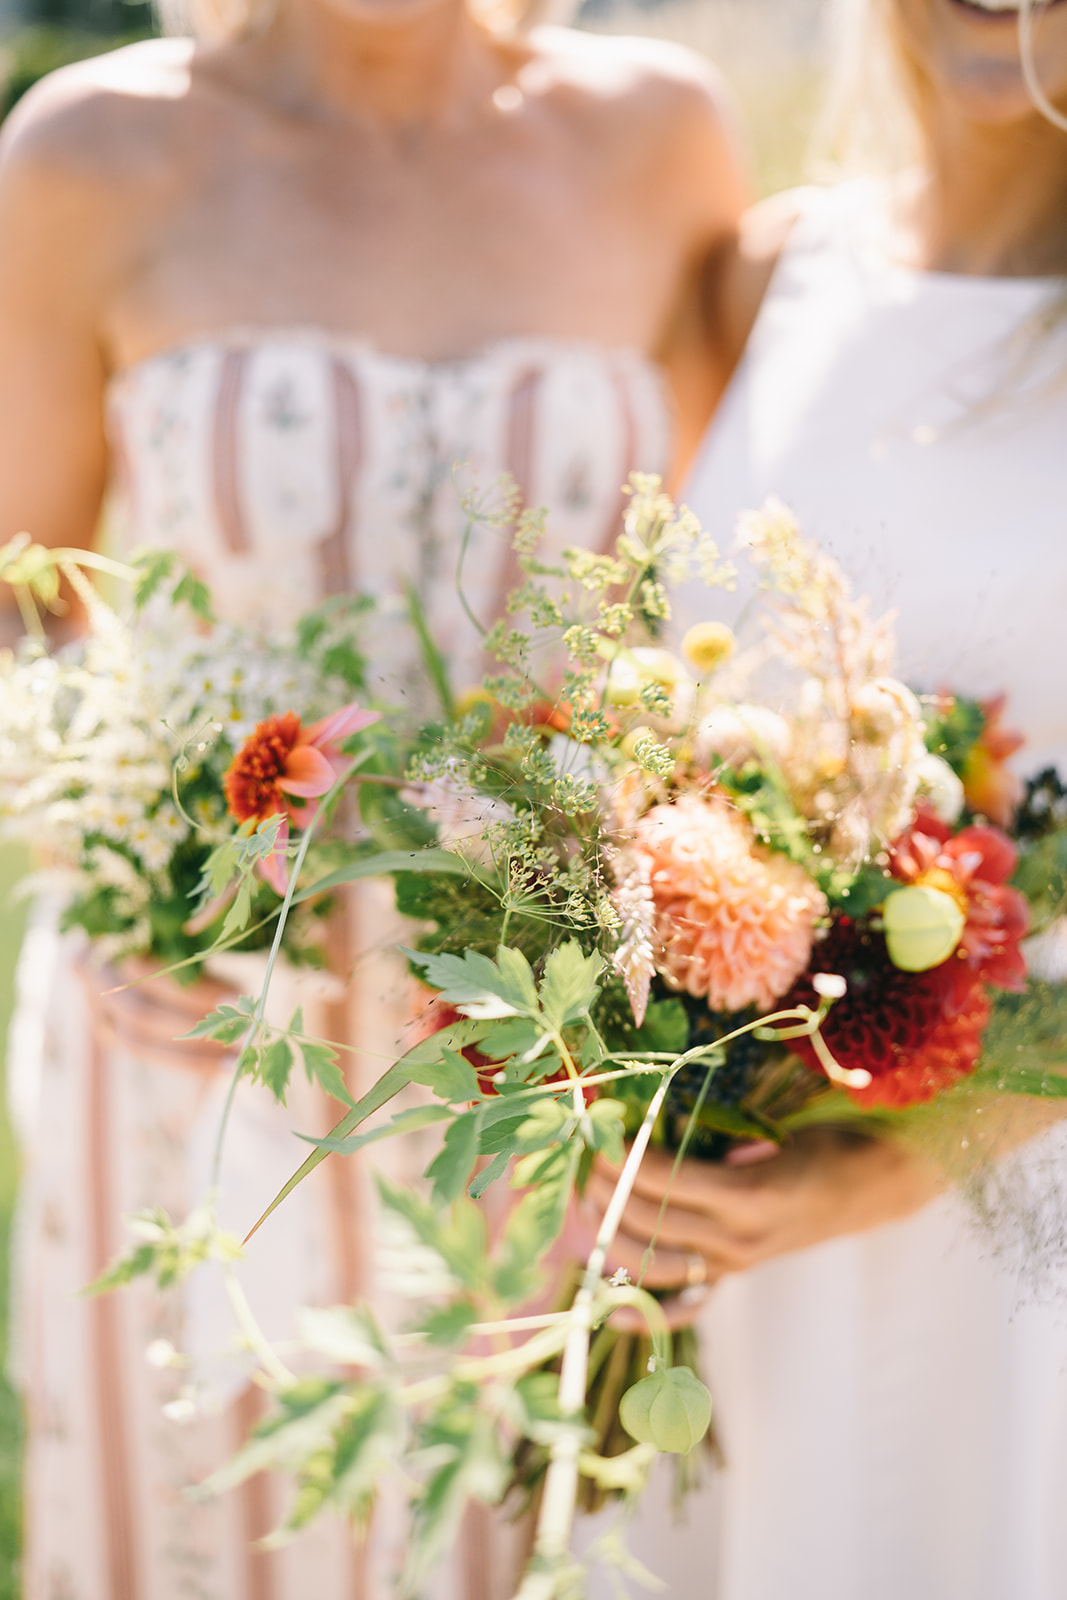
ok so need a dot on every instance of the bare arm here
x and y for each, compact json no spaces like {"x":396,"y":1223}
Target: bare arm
{"x":55,"y":245}
{"x":709,"y":162}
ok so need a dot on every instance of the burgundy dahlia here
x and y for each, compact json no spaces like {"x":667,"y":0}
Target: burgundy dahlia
{"x":916,"y":1033}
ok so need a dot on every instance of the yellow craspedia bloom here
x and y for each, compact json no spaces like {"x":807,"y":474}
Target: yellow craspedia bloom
{"x":707,"y":645}
{"x":468,"y":699}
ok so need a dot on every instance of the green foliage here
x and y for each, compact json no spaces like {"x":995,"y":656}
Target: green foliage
{"x":1024,"y":1050}
{"x":166,"y":1252}
{"x":461,"y":1455}
{"x":157,"y":569}
{"x":953,"y":727}
{"x":1041,"y":875}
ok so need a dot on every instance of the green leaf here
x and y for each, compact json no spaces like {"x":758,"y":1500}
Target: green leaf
{"x":479,"y":987}
{"x":275,"y":1065}
{"x":366,"y":1444}
{"x":451,"y":1167}
{"x":153,"y":567}
{"x":240,"y":913}
{"x":303,"y":1423}
{"x":488,"y":1175}
{"x":451,"y":1077}
{"x":1021,"y":1080}
{"x":435,"y":663}
{"x":459,"y":1236}
{"x":227,"y":1023}
{"x":320,"y":1063}
{"x":536,"y":1222}
{"x":166,"y":1251}
{"x":461,"y":1441}
{"x":448,"y":1325}
{"x":389,"y":1084}
{"x":409,"y":1121}
{"x":348,"y":1334}
{"x":385,"y":863}
{"x":194,"y":593}
{"x":571,"y":984}
{"x":536,"y":1125}
{"x":602,"y":1128}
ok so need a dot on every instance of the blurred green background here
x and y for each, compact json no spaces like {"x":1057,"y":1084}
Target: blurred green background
{"x":771,"y":51}
{"x":11,"y":923}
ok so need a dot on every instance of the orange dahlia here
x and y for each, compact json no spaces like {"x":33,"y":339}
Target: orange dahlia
{"x":733,"y":923}
{"x":991,"y":788}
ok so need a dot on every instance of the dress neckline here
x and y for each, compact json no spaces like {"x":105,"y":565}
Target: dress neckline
{"x":847,"y":217}
{"x":254,"y":336}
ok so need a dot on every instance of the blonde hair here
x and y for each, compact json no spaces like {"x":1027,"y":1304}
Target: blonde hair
{"x":874,"y":123}
{"x":879,"y":96}
{"x":216,"y":20}
{"x":874,"y":114}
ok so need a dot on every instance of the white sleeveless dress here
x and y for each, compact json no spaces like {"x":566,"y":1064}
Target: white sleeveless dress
{"x":893,"y":1406}
{"x":285,"y":467}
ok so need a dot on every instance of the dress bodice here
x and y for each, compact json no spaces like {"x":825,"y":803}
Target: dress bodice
{"x":915,"y":423}
{"x":289,"y":466}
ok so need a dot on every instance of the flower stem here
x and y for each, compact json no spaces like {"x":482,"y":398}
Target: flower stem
{"x":559,"y":1499}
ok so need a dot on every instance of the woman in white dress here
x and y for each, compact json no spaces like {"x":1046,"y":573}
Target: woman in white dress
{"x":269,"y":289}
{"x":892,"y":1403}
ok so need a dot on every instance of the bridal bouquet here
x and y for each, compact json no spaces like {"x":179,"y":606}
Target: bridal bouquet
{"x":647,"y":902}
{"x":118,"y":756}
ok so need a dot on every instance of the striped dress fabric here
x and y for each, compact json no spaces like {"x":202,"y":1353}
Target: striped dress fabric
{"x":285,"y":468}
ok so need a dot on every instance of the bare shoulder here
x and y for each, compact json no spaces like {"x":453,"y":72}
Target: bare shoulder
{"x":103,"y":118}
{"x":766,"y":226}
{"x":672,"y":91}
{"x":651,"y":96}
{"x":630,"y":69}
{"x":737,"y":277}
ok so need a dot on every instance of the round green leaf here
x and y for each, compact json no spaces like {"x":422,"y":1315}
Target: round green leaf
{"x":670,"y":1409}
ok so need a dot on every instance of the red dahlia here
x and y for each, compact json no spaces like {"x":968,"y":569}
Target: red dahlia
{"x":912,"y":1031}
{"x":973,"y":866}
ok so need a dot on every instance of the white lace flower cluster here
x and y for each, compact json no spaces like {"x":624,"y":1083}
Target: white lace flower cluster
{"x":95,"y":737}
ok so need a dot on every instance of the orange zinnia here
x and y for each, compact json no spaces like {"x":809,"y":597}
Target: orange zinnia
{"x":282,"y":767}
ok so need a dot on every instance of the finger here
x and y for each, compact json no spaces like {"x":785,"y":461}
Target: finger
{"x":680,"y":1310}
{"x":655,"y":1269}
{"x":687,"y":1183}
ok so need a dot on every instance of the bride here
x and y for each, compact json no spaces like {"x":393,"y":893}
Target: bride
{"x":892,"y":1401}
{"x":267,"y":289}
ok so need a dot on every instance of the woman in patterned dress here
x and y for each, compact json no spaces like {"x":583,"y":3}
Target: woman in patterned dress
{"x":267,"y":288}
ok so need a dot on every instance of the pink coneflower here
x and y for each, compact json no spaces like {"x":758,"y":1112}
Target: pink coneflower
{"x":733,"y":922}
